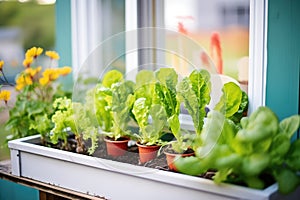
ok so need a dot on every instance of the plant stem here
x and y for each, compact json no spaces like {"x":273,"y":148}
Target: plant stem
{"x":5,"y":79}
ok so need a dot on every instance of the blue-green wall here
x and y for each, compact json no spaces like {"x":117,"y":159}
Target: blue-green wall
{"x":282,"y":92}
{"x":13,"y":191}
{"x":63,"y":38}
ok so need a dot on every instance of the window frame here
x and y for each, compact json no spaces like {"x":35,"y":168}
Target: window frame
{"x":257,"y":40}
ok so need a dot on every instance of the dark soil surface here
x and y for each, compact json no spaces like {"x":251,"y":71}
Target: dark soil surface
{"x":131,"y":156}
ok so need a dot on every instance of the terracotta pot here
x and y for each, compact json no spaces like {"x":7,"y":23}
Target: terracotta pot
{"x":116,"y":147}
{"x":171,"y":157}
{"x":147,"y":153}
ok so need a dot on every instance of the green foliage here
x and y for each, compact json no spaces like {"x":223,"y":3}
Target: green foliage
{"x":261,"y":125}
{"x":145,"y":85}
{"x":31,"y":115}
{"x":114,"y":99}
{"x":150,"y":133}
{"x":112,"y":77}
{"x":103,"y":99}
{"x":261,"y":145}
{"x":76,"y":118}
{"x":233,"y":103}
{"x":63,"y":119}
{"x":144,"y":107}
{"x":166,"y":95}
{"x":194,"y":92}
{"x":165,"y":90}
{"x":122,"y":103}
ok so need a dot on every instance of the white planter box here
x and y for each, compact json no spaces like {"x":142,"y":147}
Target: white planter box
{"x":115,"y":180}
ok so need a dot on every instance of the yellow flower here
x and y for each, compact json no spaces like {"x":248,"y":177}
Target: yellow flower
{"x":49,"y":75}
{"x":33,"y":52}
{"x":5,"y":95}
{"x":1,"y":64}
{"x":65,"y":70}
{"x":22,"y":81}
{"x":52,"y":55}
{"x":53,"y":74}
{"x":32,"y":72}
{"x":44,"y":81}
{"x":27,"y":61}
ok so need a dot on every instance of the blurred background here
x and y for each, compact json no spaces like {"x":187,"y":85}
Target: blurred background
{"x":23,"y":24}
{"x":208,"y":21}
{"x":221,"y":27}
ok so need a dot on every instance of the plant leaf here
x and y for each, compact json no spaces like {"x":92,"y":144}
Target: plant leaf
{"x":290,"y":125}
{"x":230,"y":100}
{"x":287,"y":180}
{"x":112,"y":77}
{"x":194,"y":91}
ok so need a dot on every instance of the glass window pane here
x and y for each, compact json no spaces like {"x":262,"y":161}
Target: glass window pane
{"x":220,"y":26}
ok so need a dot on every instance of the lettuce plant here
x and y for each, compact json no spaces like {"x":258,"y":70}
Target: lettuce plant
{"x":75,"y":118}
{"x":194,"y":92}
{"x":103,"y":99}
{"x":166,"y":95}
{"x":144,"y":108}
{"x":150,"y":133}
{"x":113,"y":104}
{"x":122,"y":103}
{"x":261,"y":146}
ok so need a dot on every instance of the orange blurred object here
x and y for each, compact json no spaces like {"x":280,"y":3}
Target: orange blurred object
{"x":182,"y":29}
{"x":216,"y":51}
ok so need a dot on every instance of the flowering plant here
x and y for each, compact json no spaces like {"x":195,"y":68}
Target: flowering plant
{"x":37,"y":90}
{"x":4,"y":94}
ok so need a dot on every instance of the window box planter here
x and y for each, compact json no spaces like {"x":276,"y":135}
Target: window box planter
{"x":116,"y":180}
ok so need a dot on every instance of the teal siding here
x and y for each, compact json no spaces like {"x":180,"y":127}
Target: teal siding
{"x":13,"y":191}
{"x":63,"y":38}
{"x":282,"y":92}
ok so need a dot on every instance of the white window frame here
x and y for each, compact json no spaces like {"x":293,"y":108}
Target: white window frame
{"x":258,"y":53}
{"x":84,"y":34}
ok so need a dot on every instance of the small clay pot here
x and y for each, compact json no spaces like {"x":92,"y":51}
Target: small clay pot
{"x":171,"y":157}
{"x":116,"y":147}
{"x":147,"y":153}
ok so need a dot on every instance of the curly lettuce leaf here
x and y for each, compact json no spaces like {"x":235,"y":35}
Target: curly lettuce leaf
{"x":165,"y":90}
{"x":167,"y":77}
{"x":141,"y":112}
{"x":103,"y":101}
{"x":63,"y":118}
{"x":194,"y":91}
{"x":150,"y":133}
{"x":145,"y":83}
{"x":122,"y":102}
{"x":112,"y":77}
